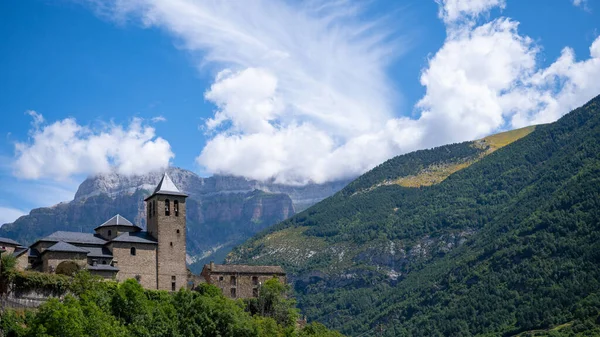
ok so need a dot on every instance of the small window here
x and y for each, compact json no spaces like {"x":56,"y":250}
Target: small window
{"x":167,"y":207}
{"x":154,"y":207}
{"x":103,"y":261}
{"x":171,"y":244}
{"x":173,"y":286}
{"x":233,"y":281}
{"x":255,"y":292}
{"x":173,"y":278}
{"x":109,"y":233}
{"x":233,"y":293}
{"x":220,"y":278}
{"x":254,"y":280}
{"x":150,"y":210}
{"x":176,"y":207}
{"x":178,"y":231}
{"x":132,"y":251}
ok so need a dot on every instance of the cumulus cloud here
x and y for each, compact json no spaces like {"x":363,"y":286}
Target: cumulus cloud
{"x":487,"y":77}
{"x":65,"y":148}
{"x":302,"y":93}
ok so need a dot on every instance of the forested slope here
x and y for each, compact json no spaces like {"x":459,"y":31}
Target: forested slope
{"x":507,"y":244}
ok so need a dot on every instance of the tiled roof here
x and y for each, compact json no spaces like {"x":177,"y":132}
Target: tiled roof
{"x":98,"y":252}
{"x":62,"y":246}
{"x":75,"y":237}
{"x":135,"y":237}
{"x":166,"y":186}
{"x":118,"y":220}
{"x":9,"y":241}
{"x":102,"y":267}
{"x":244,"y":269}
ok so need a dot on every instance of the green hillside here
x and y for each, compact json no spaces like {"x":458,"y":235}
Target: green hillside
{"x":508,"y":244}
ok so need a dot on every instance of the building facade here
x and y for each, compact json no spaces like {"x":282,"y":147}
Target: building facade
{"x":118,"y":249}
{"x":241,"y":281}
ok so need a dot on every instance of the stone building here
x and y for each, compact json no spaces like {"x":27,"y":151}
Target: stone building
{"x":241,"y":281}
{"x":8,"y":245}
{"x":119,"y":249}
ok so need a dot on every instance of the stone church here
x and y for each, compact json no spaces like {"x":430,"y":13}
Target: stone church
{"x":156,"y":258}
{"x":119,"y":249}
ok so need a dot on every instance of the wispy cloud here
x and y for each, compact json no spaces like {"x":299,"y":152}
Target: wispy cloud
{"x":302,"y":93}
{"x":158,"y":119}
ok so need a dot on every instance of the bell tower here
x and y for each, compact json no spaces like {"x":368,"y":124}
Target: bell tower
{"x":166,"y":222}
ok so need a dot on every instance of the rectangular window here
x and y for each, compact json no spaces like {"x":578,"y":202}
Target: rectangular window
{"x":233,"y":294}
{"x":172,"y":286}
{"x":220,"y":278}
{"x":233,"y":281}
{"x":173,"y":278}
{"x":254,"y":280}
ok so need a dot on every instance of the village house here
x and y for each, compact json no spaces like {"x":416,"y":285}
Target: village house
{"x":241,"y":281}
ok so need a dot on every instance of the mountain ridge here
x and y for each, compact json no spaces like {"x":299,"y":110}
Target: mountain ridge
{"x":483,"y":252}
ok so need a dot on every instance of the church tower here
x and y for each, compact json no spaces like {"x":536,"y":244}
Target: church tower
{"x":165,"y":219}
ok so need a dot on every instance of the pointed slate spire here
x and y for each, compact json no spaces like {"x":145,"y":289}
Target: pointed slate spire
{"x":166,"y":185}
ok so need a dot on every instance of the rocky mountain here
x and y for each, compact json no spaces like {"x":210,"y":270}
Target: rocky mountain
{"x":496,"y":237}
{"x":222,"y":210}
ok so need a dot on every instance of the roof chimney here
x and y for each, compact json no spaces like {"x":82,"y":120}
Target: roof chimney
{"x":212,"y":265}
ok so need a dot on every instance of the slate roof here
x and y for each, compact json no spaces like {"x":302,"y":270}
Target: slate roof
{"x":98,"y":252}
{"x":9,"y":241}
{"x":244,"y":269}
{"x":118,"y":220}
{"x":19,"y":251}
{"x":166,"y":186}
{"x":102,"y":267}
{"x":75,"y":237}
{"x":62,"y":246}
{"x":135,"y":237}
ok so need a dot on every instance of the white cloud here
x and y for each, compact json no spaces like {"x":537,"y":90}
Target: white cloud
{"x":302,"y":92}
{"x":488,"y":77}
{"x":451,"y":11}
{"x":158,"y":119}
{"x":65,"y":148}
{"x":9,"y":214}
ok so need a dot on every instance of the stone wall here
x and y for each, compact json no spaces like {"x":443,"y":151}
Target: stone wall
{"x":114,"y":231}
{"x":50,"y":260}
{"x":106,"y":274}
{"x":142,"y":265}
{"x":26,"y":300}
{"x":22,"y":261}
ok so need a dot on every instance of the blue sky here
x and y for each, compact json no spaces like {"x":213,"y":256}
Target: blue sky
{"x":294,"y":91}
